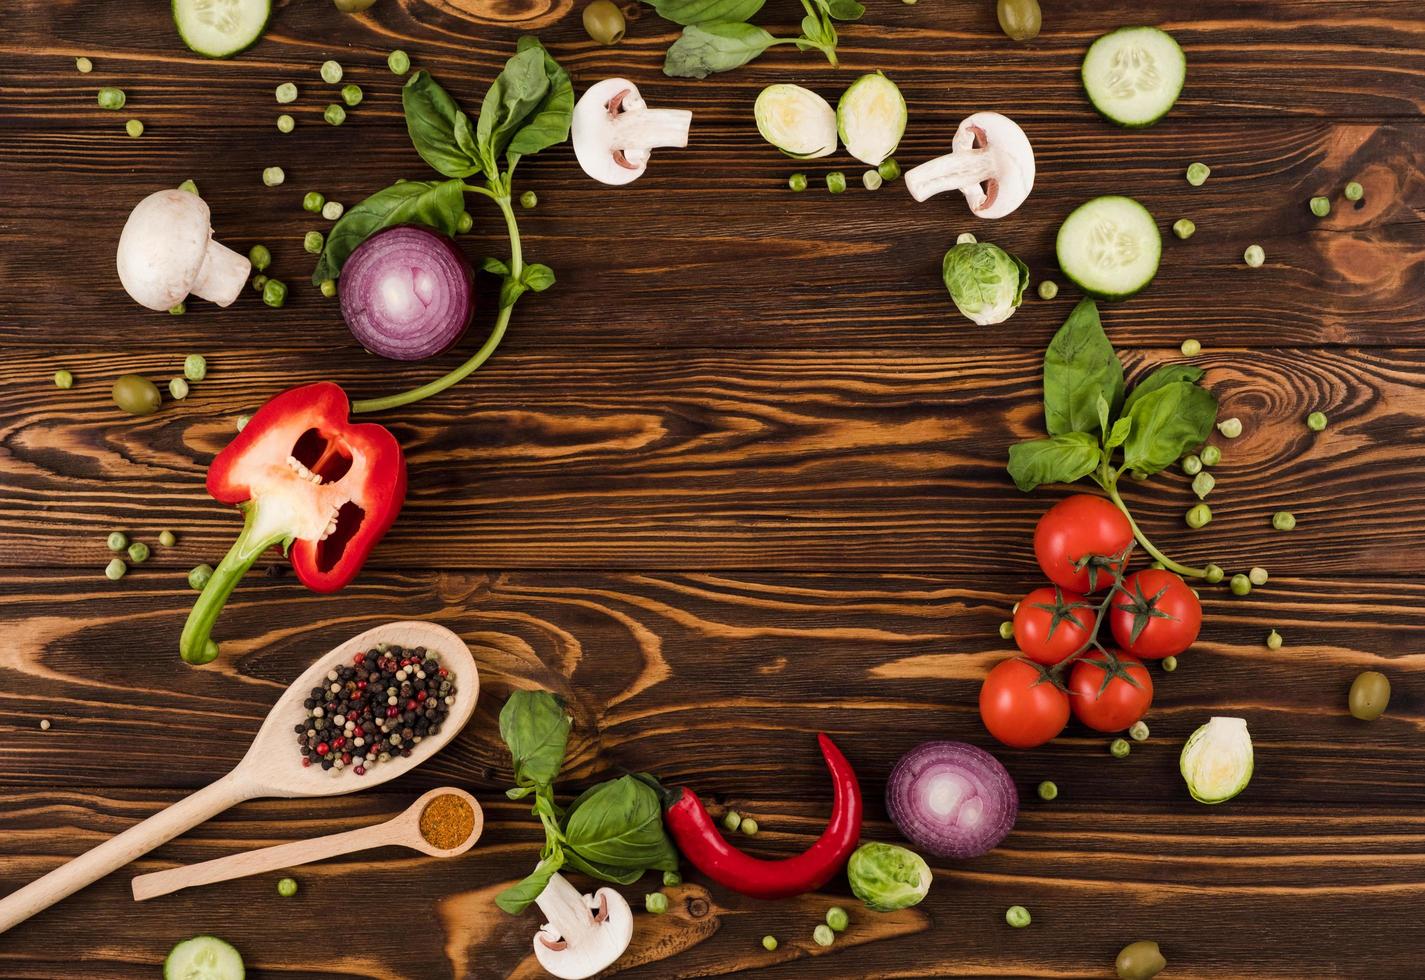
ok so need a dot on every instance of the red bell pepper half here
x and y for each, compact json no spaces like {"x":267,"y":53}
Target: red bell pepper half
{"x":307,"y":478}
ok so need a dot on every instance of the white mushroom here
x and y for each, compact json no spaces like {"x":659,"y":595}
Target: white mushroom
{"x":167,"y":251}
{"x":991,"y":163}
{"x":585,"y":933}
{"x":615,"y":131}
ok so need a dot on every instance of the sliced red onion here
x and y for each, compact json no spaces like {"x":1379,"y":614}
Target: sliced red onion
{"x":951,"y":799}
{"x":407,"y":293}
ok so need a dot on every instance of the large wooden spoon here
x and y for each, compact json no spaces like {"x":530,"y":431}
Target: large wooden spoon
{"x":271,"y":767}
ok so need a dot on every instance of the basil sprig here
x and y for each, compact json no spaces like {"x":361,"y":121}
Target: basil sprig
{"x":717,"y":36}
{"x":1100,"y":429}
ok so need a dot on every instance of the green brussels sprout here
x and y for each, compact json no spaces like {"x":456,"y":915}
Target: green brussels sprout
{"x":796,"y":121}
{"x":871,"y":118}
{"x":986,"y":282}
{"x":887,"y":877}
{"x":1216,"y":762}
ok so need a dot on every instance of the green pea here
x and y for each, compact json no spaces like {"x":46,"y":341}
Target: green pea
{"x":1170,"y":664}
{"x":1321,"y":206}
{"x":671,"y":879}
{"x":195,"y":367}
{"x":287,"y":887}
{"x":1048,"y":791}
{"x":1370,"y":695}
{"x":134,"y":127}
{"x":1316,"y":421}
{"x":259,"y":256}
{"x":1006,"y":630}
{"x":138,"y":552}
{"x":1257,"y":575}
{"x":1284,"y":520}
{"x":198,"y":577}
{"x":1138,"y":731}
{"x":797,"y":182}
{"x":313,"y":242}
{"x":749,"y":826}
{"x":274,"y":293}
{"x":167,"y":539}
{"x":63,"y":379}
{"x":836,"y":182}
{"x":334,"y":114}
{"x":178,"y":388}
{"x":1017,"y":916}
{"x":822,"y":935}
{"x":258,"y":281}
{"x":331,"y":72}
{"x":352,"y":94}
{"x":1198,"y":515}
{"x":732,"y":820}
{"x":1211,"y":455}
{"x":286,"y":92}
{"x":190,"y":187}
{"x":83,"y":65}
{"x":1191,"y":348}
{"x":769,"y":943}
{"x":112,"y":98}
{"x":1354,"y":191}
{"x":328,"y":288}
{"x":1197,"y":174}
{"x":398,"y":61}
{"x":1119,"y":748}
{"x":1139,"y":961}
{"x":1213,"y":574}
{"x":1202,"y":485}
{"x":313,"y":201}
{"x":1048,"y":289}
{"x":1230,"y":428}
{"x":333,"y":210}
{"x":871,"y":180}
{"x":1254,"y":256}
{"x":285,"y":123}
{"x":241,"y":422}
{"x":1274,"y":640}
{"x":837,"y":918}
{"x":178,"y":309}
{"x":115,"y":570}
{"x":465,"y":222}
{"x":117,"y":541}
{"x":1192,"y":465}
{"x":604,"y":22}
{"x":528,"y":200}
{"x":136,"y":395}
{"x":273,"y":176}
{"x":656,"y":903}
{"x":1184,"y":228}
{"x":1240,"y":584}
{"x":889,"y":169}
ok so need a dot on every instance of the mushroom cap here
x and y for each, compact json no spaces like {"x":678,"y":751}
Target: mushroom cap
{"x":593,"y":131}
{"x":1013,"y":163}
{"x":163,"y":246}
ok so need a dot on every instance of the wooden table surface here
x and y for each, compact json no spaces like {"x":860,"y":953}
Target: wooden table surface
{"x":737,"y":478}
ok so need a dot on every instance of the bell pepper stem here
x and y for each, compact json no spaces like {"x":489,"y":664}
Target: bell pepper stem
{"x":257,"y":536}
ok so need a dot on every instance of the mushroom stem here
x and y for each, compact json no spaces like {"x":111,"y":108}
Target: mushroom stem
{"x":953,"y":172}
{"x":638,"y":131}
{"x":221,"y":276}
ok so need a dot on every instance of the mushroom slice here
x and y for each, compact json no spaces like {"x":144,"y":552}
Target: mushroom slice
{"x":615,"y":132}
{"x":796,"y":121}
{"x":166,"y":251}
{"x":991,"y":163}
{"x":585,"y":933}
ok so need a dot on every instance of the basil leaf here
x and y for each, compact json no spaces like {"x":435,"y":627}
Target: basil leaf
{"x":707,"y":48}
{"x":497,"y":266}
{"x":687,"y":12}
{"x":510,"y":291}
{"x":538,"y":277}
{"x":1165,"y":375}
{"x":514,"y":95}
{"x":435,"y":204}
{"x":549,"y":124}
{"x":434,"y":123}
{"x":619,"y":824}
{"x":1079,"y":367}
{"x":1062,"y":459}
{"x":1119,"y":434}
{"x":535,"y":728}
{"x":621,"y":876}
{"x":841,"y":9}
{"x":1167,"y":423}
{"x":517,"y":898}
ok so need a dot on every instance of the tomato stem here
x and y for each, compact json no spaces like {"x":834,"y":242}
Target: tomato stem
{"x":1107,"y":478}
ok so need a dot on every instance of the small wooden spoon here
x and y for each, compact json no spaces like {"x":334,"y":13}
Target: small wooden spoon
{"x":402,"y":830}
{"x":271,"y":767}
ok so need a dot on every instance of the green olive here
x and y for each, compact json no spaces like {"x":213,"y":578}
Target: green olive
{"x":136,"y":395}
{"x":1140,"y":961}
{"x":352,"y":6}
{"x":603,"y":21}
{"x":1020,"y":19}
{"x":1370,"y":693}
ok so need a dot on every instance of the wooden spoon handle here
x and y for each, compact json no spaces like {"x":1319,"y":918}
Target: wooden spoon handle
{"x":262,"y":860}
{"x":118,"y":851}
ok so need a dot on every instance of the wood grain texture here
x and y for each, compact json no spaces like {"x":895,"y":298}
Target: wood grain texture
{"x":737,"y":478}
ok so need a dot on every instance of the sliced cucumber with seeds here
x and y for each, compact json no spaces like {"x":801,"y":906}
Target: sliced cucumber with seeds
{"x":221,"y":28}
{"x":1110,"y":247}
{"x":1134,"y":75}
{"x":203,"y":958}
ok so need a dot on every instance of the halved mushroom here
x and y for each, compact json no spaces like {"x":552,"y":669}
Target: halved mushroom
{"x":991,"y":163}
{"x":166,"y":251}
{"x":615,"y":131}
{"x":585,"y":933}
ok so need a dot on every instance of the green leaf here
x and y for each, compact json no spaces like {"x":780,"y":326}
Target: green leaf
{"x":535,"y":728}
{"x":1062,"y":459}
{"x":605,"y":872}
{"x":1102,"y":406}
{"x":619,"y":824}
{"x":515,"y":95}
{"x":435,"y":125}
{"x":707,"y":48}
{"x":538,"y":277}
{"x":1167,"y":423}
{"x":548,"y":125}
{"x":492,"y":264}
{"x":1164,"y":375}
{"x":510,"y":291}
{"x":1119,"y":434}
{"x":1079,"y":368}
{"x":517,"y":898}
{"x":435,"y":204}
{"x":844,"y":10}
{"x":687,"y":12}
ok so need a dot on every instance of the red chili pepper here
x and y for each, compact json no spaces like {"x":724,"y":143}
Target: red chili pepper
{"x":304,"y":477}
{"x":697,"y":836}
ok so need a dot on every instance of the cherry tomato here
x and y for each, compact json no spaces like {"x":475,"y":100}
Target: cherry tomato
{"x":1161,"y":609}
{"x":1019,"y":708}
{"x":1051,"y":624}
{"x":1115,"y":707}
{"x":1075,"y":528}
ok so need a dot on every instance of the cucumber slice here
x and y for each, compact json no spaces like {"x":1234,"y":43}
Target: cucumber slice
{"x":1134,"y":75}
{"x":221,"y":28}
{"x":203,"y":958}
{"x":1110,"y":247}
{"x":796,"y":121}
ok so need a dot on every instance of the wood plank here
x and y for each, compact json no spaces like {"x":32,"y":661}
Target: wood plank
{"x":699,"y":460}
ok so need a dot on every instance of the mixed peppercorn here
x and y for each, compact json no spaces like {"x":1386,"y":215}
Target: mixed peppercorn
{"x":379,"y":707}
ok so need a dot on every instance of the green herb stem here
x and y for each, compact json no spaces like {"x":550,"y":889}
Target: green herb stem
{"x":1107,"y":478}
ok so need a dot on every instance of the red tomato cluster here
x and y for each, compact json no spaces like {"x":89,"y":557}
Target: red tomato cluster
{"x":1079,"y":544}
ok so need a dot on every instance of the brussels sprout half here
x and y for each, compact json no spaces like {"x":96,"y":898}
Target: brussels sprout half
{"x":871,"y":118}
{"x":796,"y":121}
{"x":1216,"y":762}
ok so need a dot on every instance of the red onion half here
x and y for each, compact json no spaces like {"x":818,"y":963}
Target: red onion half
{"x":951,"y":799}
{"x":407,"y":293}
